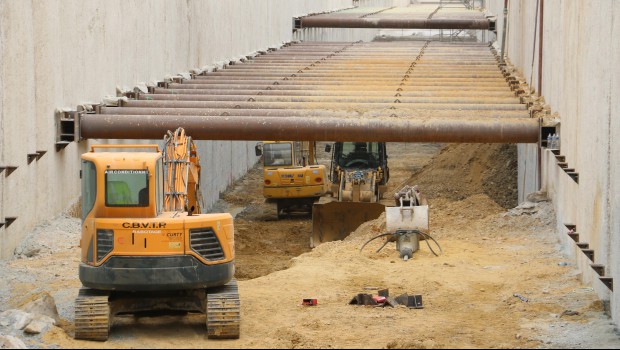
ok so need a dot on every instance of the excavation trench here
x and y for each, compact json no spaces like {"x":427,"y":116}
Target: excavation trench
{"x":446,"y":172}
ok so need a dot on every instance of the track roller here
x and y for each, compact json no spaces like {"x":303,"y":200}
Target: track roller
{"x":92,"y":315}
{"x":223,"y":312}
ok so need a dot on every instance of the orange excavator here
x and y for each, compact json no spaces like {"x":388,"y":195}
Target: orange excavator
{"x":146,"y":246}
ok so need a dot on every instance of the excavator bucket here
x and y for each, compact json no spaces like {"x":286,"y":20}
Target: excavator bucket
{"x":407,"y":218}
{"x":336,"y":220}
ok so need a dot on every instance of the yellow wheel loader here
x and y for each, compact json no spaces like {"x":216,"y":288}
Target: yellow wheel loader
{"x":292,"y":178}
{"x":359,"y":176}
{"x":145,"y":244}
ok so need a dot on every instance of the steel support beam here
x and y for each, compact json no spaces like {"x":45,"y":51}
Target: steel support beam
{"x":394,"y":23}
{"x":194,"y":101}
{"x":150,"y":127}
{"x":170,"y":108}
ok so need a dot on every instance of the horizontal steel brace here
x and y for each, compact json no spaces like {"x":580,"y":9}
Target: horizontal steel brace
{"x":390,"y":129}
{"x":394,"y":23}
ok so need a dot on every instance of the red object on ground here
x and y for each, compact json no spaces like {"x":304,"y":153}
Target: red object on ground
{"x":310,"y":302}
{"x":378,"y":299}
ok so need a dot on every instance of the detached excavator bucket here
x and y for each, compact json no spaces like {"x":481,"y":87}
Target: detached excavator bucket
{"x":407,"y":218}
{"x":336,"y":220}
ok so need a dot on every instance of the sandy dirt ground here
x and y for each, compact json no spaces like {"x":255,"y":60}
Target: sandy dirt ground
{"x":501,"y":281}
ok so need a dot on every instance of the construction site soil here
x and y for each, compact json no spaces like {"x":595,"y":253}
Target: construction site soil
{"x":501,"y":281}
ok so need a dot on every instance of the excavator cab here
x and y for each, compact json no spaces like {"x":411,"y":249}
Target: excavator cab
{"x":143,"y":249}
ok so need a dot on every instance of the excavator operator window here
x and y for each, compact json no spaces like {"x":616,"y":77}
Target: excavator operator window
{"x":277,"y":154}
{"x":89,"y":187}
{"x":126,"y":188}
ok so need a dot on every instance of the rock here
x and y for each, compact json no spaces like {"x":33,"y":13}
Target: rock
{"x":536,"y":197}
{"x":44,"y":305}
{"x":18,"y":251}
{"x":528,"y":208}
{"x":18,"y":318}
{"x":31,"y":252}
{"x":39,"y":325}
{"x":569,"y":313}
{"x":11,"y":342}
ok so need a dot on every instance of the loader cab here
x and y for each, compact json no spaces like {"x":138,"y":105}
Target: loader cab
{"x":359,"y":155}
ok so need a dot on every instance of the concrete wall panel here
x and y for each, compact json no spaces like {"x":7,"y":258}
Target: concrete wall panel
{"x":580,"y":82}
{"x":613,"y":250}
{"x":63,"y":53}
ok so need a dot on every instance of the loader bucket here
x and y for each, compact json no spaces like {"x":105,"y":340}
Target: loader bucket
{"x":336,"y":220}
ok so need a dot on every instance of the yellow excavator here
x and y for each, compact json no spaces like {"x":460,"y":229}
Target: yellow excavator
{"x":292,"y":178}
{"x":145,"y":244}
{"x":359,"y":176}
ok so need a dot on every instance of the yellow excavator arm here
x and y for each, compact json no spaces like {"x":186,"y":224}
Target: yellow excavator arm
{"x":182,"y":169}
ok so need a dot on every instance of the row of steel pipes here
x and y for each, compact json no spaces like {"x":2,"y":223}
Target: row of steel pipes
{"x":404,"y":91}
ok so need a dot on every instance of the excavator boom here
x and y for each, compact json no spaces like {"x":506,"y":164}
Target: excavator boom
{"x":182,"y":167}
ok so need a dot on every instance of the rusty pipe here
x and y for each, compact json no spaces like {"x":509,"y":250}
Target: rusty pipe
{"x":497,"y":83}
{"x":477,"y":130}
{"x":346,"y":73}
{"x":353,"y":68}
{"x":332,"y":93}
{"x":167,"y":108}
{"x":342,"y":99}
{"x":370,"y":86}
{"x":197,"y":103}
{"x":359,"y":74}
{"x":380,"y":78}
{"x":393,"y":23}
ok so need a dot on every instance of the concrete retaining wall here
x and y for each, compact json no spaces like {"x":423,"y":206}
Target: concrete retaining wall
{"x":62,"y":53}
{"x":581,"y":82}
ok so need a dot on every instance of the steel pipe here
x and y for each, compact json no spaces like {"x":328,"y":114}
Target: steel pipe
{"x":361,"y":74}
{"x":353,"y":68}
{"x":332,"y":93}
{"x":256,"y":104}
{"x":351,"y":75}
{"x":170,"y":108}
{"x":499,"y":83}
{"x":340,"y":99}
{"x":393,"y":23}
{"x":370,"y":86}
{"x":149,"y":127}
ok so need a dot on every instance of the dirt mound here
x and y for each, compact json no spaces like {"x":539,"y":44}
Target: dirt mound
{"x":463,"y":170}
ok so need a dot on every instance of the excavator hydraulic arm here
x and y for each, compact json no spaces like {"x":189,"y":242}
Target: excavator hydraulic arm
{"x":182,"y":170}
